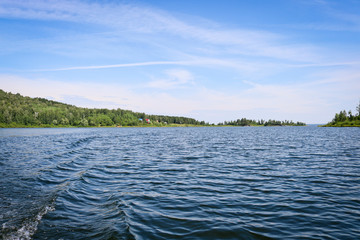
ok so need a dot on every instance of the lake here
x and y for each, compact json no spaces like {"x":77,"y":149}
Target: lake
{"x":180,"y":183}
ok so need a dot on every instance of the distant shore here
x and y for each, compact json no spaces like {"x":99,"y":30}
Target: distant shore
{"x":18,"y":111}
{"x":14,"y":125}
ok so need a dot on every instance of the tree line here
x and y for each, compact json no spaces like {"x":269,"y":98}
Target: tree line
{"x":248,"y":122}
{"x":346,"y":119}
{"x":17,"y":110}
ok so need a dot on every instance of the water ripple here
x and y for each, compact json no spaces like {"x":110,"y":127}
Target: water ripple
{"x":180,"y":183}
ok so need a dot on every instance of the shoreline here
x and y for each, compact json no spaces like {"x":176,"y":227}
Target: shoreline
{"x":139,"y":126}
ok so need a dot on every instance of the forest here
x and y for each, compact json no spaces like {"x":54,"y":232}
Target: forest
{"x":345,"y":119}
{"x":19,"y":111}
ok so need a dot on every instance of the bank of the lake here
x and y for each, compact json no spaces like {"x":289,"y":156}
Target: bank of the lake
{"x":16,"y":125}
{"x":354,"y":123}
{"x":17,"y":111}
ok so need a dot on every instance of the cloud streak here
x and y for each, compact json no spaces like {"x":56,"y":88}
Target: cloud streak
{"x":175,"y":78}
{"x":146,"y":20}
{"x":203,"y":61}
{"x":124,"y":65}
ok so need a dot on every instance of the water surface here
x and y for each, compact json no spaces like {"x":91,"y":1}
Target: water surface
{"x":180,"y":183}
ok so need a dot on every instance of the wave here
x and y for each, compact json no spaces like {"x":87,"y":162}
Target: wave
{"x":27,"y":228}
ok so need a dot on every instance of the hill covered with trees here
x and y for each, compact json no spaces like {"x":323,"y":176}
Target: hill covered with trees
{"x":19,"y":111}
{"x":345,"y":119}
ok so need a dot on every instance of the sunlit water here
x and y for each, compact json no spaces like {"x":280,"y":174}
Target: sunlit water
{"x":180,"y":183}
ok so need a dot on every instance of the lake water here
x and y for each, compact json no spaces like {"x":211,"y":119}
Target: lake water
{"x":180,"y":183}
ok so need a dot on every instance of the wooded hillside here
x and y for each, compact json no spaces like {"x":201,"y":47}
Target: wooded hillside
{"x":19,"y":111}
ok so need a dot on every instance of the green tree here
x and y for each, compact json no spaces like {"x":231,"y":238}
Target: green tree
{"x":64,"y":121}
{"x":84,"y":122}
{"x":104,"y":120}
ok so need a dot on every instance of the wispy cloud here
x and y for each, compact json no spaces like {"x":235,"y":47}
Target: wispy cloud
{"x":240,"y":65}
{"x":323,"y":64}
{"x":146,"y":20}
{"x":116,"y":66}
{"x":175,"y":78}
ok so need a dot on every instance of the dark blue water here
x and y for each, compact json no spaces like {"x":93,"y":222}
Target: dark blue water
{"x":180,"y":183}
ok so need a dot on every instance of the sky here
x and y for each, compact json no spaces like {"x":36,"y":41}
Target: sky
{"x":210,"y":60}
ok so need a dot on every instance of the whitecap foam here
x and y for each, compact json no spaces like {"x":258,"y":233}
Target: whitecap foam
{"x":28,"y":228}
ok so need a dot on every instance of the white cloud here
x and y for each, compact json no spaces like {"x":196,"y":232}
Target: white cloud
{"x":59,"y":91}
{"x":314,"y":102}
{"x":91,"y":94}
{"x":146,"y":20}
{"x":241,"y":65}
{"x":139,"y":64}
{"x":175,"y":78}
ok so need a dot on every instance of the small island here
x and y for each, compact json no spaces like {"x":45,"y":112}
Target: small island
{"x":249,"y":123}
{"x":345,"y":119}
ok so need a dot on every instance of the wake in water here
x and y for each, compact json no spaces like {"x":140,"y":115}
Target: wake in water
{"x":188,"y":183}
{"x":26,"y":229}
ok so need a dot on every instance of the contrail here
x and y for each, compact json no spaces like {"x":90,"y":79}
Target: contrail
{"x":117,"y":66}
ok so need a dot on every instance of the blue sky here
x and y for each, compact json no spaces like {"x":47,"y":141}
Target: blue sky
{"x":211,"y":60}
